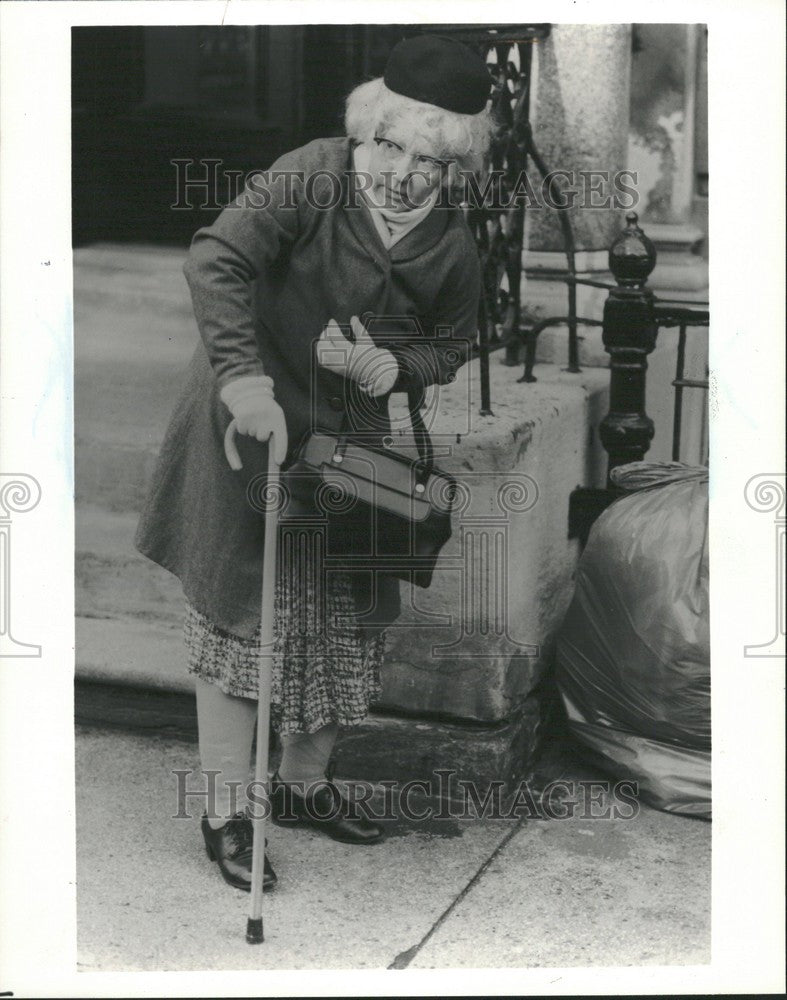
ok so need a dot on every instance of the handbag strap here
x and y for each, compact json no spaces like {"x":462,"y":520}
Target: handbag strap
{"x":423,"y":442}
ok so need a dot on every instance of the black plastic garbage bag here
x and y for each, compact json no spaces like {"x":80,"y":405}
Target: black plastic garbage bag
{"x":633,"y":662}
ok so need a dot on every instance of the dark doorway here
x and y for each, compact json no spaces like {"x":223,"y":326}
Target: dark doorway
{"x":145,"y":97}
{"x":145,"y":100}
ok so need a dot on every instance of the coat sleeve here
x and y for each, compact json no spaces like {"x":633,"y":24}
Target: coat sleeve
{"x":254,"y":231}
{"x":446,"y":346}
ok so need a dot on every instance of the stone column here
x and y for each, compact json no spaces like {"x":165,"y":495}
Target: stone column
{"x":580,"y":114}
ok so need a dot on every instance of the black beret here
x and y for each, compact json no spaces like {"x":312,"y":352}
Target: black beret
{"x":440,"y":71}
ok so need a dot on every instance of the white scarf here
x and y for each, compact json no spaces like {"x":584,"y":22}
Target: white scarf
{"x":392,"y":226}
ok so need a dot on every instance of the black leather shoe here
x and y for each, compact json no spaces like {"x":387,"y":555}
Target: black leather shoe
{"x":231,"y":847}
{"x":322,"y":807}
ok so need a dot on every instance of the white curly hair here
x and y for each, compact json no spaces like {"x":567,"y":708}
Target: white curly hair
{"x":371,"y":108}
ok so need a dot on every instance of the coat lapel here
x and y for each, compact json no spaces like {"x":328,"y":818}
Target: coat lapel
{"x":358,"y":216}
{"x":422,"y":238}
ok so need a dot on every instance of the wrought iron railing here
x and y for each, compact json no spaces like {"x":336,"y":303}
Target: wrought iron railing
{"x":499,"y":231}
{"x":667,"y":315}
{"x":633,"y":316}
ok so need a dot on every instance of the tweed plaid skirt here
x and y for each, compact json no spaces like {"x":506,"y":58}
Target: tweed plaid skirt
{"x":325,"y":670}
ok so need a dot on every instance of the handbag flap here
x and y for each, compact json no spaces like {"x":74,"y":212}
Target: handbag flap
{"x":385,"y":479}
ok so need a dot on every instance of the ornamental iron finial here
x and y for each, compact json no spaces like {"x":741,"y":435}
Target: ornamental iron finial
{"x":632,"y":256}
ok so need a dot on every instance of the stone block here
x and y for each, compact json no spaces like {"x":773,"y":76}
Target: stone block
{"x":390,"y":748}
{"x":475,"y":644}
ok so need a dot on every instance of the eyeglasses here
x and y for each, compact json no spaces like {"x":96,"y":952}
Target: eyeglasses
{"x":392,"y":150}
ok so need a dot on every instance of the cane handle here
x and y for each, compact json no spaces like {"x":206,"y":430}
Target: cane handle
{"x":231,"y":449}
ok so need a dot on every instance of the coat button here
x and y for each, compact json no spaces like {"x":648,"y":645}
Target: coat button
{"x":336,"y":403}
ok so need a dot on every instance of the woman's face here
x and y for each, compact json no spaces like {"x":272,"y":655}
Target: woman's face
{"x":406,"y":168}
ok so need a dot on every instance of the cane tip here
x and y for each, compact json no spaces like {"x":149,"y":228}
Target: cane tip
{"x":254,"y":931}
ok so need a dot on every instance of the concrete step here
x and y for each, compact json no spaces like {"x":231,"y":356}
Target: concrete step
{"x":115,"y":581}
{"x":126,"y":276}
{"x":134,"y":333}
{"x":144,"y":655}
{"x":681,"y":237}
{"x":129,"y":633}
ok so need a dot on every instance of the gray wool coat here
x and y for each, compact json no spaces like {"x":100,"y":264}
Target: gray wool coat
{"x":265,"y":280}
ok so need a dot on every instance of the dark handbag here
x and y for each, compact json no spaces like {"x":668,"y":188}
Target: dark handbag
{"x":381,"y":509}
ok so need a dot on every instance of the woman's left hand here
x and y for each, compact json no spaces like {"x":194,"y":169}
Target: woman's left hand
{"x":374,"y":368}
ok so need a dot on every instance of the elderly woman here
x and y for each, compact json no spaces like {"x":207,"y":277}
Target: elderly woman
{"x":343,"y":236}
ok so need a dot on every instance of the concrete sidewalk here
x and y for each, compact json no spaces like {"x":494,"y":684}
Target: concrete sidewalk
{"x":445,"y":893}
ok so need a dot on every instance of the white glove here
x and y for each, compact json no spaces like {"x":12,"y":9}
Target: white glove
{"x":250,"y":401}
{"x":374,"y":368}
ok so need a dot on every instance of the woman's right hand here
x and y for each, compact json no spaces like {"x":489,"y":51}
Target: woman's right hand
{"x":250,"y":401}
{"x":373,"y":368}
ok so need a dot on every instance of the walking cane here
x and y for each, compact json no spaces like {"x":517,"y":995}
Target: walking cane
{"x":254,"y":933}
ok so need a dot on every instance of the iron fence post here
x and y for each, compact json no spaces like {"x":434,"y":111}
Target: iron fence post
{"x":629,"y":336}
